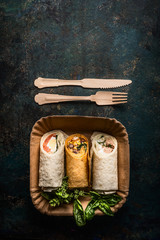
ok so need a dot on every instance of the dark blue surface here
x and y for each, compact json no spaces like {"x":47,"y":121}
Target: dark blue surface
{"x":72,"y":40}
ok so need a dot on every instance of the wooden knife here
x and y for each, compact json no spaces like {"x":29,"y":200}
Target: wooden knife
{"x":85,"y":83}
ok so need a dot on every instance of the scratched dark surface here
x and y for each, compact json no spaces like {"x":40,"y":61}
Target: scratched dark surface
{"x":74,"y":39}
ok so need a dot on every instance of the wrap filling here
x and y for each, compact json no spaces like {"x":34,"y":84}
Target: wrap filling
{"x":105,"y":145}
{"x":77,"y":145}
{"x":50,"y":144}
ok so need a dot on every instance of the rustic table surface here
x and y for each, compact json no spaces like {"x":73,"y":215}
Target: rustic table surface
{"x":72,"y":40}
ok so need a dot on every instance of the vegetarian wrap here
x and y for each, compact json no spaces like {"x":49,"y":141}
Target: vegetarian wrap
{"x":76,"y":147}
{"x":51,"y":167}
{"x":104,"y":162}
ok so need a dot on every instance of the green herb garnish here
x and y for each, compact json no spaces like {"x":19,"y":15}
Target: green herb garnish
{"x":78,"y":213}
{"x":64,"y":195}
{"x":101,"y":202}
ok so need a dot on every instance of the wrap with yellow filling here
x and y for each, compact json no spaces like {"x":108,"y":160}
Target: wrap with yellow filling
{"x":76,"y":147}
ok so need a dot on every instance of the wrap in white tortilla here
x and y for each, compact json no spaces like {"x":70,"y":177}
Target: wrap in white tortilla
{"x":51,"y":167}
{"x":104,"y":160}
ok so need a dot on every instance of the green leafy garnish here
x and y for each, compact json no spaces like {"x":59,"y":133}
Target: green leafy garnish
{"x":90,"y":209}
{"x":101,"y":202}
{"x":94,"y":195}
{"x":59,"y":196}
{"x":78,"y":213}
{"x":55,"y":202}
{"x":105,"y":208}
{"x":64,"y":195}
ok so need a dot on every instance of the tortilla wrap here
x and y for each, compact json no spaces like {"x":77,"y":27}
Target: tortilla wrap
{"x":77,"y":163}
{"x":104,"y":163}
{"x":51,"y":167}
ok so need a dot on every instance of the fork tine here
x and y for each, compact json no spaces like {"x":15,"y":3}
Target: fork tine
{"x":120,"y":96}
{"x":113,"y":103}
{"x":118,"y":99}
{"x":119,"y":93}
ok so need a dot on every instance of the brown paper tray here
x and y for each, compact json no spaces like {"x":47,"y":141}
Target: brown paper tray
{"x":85,"y":125}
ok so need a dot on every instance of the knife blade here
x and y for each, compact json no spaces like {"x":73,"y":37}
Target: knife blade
{"x":85,"y":83}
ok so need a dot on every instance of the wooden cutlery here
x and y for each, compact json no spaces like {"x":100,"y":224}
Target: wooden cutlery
{"x":85,"y":83}
{"x":101,"y":98}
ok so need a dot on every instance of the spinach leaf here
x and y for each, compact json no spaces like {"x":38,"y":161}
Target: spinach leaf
{"x":79,"y":213}
{"x":103,"y":202}
{"x":105,"y":208}
{"x":90,"y":209}
{"x":117,"y":197}
{"x":95,"y":195}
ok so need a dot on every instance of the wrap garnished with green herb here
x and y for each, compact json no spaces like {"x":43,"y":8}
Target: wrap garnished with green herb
{"x":104,"y":162}
{"x":76,"y":147}
{"x":51,"y":167}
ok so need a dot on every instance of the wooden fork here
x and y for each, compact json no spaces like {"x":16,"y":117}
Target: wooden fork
{"x":101,"y":98}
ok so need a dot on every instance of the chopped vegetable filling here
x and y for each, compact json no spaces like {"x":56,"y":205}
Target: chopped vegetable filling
{"x":105,"y":145}
{"x":50,"y":143}
{"x":77,"y":145}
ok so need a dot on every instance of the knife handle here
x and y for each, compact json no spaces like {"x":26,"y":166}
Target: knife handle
{"x":44,"y":98}
{"x":50,"y":82}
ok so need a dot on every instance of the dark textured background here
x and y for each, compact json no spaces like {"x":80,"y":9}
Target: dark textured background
{"x":72,"y":39}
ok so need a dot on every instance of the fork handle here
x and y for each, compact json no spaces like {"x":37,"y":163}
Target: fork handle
{"x":44,"y":98}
